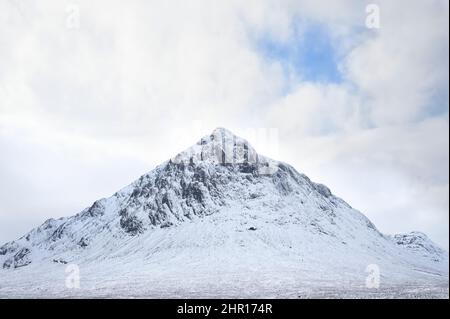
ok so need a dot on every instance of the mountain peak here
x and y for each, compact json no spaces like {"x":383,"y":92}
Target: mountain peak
{"x":221,"y":135}
{"x":223,"y":131}
{"x":221,"y":147}
{"x":222,"y":209}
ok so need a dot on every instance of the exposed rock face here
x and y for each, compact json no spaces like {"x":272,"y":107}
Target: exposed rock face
{"x":20,"y":259}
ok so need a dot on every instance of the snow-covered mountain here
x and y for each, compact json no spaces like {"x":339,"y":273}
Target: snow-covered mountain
{"x":214,"y":219}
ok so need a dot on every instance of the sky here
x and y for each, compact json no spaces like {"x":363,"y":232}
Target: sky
{"x":94,"y":94}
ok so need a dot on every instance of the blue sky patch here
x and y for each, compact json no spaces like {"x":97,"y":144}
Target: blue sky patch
{"x":309,"y":53}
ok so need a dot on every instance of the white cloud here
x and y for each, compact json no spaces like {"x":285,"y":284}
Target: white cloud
{"x":405,"y":64}
{"x":316,"y":109}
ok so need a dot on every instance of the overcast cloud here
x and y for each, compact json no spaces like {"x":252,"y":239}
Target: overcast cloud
{"x":95,"y":93}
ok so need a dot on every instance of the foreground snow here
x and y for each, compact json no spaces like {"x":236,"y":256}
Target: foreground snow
{"x":225,"y":286}
{"x":192,"y":281}
{"x":229,"y":260}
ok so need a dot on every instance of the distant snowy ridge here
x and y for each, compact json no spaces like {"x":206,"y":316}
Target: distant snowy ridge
{"x":420,"y":244}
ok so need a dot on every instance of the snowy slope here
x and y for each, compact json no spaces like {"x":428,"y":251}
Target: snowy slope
{"x":218,"y":213}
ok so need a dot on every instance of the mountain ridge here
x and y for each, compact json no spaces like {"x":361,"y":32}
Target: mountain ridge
{"x":221,"y":203}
